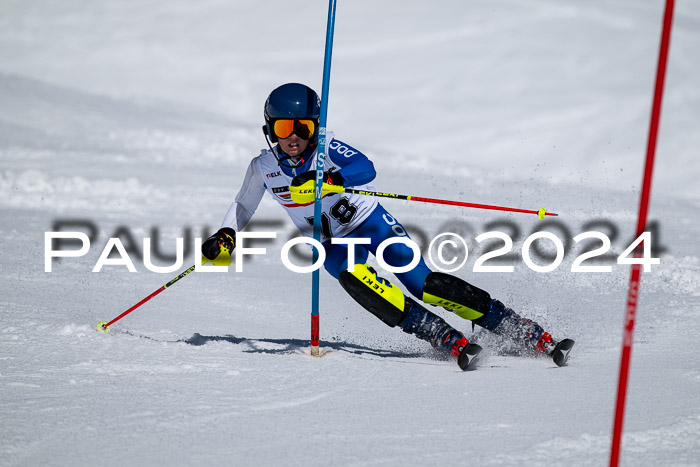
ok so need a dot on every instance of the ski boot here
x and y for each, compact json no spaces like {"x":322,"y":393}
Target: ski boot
{"x":388,"y":303}
{"x":467,"y":354}
{"x":431,"y":328}
{"x":559,"y":351}
{"x":475,"y":304}
{"x":503,"y":321}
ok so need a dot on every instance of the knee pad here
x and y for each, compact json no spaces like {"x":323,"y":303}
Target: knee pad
{"x":379,"y":296}
{"x":454,"y":294}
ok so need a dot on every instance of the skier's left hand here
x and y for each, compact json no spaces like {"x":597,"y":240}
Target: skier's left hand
{"x":302,"y":186}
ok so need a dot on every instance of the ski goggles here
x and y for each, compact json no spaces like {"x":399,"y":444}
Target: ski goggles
{"x":284,"y":128}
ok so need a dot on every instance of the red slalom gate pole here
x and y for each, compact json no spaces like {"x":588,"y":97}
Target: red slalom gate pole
{"x":104,"y":326}
{"x":636,"y":273}
{"x":541,"y":213}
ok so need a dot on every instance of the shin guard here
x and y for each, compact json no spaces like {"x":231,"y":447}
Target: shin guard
{"x":454,"y":294}
{"x":379,"y":296}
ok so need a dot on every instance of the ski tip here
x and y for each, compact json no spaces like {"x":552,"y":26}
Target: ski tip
{"x":468,"y":358}
{"x":561,"y":352}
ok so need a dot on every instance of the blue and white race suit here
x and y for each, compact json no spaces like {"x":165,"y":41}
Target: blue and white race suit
{"x":343,"y":215}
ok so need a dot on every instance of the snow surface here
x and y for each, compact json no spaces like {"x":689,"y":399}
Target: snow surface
{"x":145,"y":114}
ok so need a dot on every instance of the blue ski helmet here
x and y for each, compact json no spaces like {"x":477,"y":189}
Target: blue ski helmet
{"x":295,"y":101}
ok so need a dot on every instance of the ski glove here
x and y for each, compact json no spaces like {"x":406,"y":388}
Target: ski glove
{"x":224,"y":238}
{"x":302,"y":186}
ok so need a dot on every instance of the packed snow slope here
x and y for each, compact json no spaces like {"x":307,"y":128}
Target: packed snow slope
{"x":136,"y":120}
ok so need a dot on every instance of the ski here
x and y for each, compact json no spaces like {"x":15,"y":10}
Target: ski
{"x":560,"y":354}
{"x":468,"y":357}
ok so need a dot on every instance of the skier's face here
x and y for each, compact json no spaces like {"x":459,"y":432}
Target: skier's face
{"x":293,"y":146}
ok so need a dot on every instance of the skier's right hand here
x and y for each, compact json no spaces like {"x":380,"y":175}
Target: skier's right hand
{"x":224,"y":238}
{"x":302,"y":186}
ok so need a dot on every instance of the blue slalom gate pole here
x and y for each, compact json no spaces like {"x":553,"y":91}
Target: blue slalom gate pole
{"x":320,"y":160}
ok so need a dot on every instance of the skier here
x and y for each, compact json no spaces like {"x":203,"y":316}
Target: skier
{"x":287,"y":172}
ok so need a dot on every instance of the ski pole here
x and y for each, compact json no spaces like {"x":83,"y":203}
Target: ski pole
{"x":102,"y":326}
{"x":540,"y":213}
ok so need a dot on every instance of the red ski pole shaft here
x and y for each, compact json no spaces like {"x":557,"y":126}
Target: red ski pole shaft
{"x":540,"y":213}
{"x":104,"y":326}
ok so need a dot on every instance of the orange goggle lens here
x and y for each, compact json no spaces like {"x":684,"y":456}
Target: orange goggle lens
{"x":303,"y":128}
